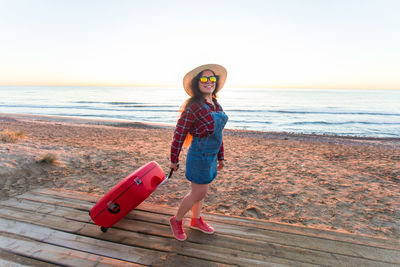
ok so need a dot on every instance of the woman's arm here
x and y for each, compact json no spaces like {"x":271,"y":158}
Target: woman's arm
{"x":221,"y":162}
{"x":182,"y":129}
{"x":221,"y":152}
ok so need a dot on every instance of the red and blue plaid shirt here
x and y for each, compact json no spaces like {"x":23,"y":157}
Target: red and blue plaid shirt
{"x":197,"y":121}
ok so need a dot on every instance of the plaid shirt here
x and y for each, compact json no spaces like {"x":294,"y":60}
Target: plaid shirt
{"x":197,"y":121}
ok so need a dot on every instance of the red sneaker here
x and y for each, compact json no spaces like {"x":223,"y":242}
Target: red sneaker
{"x":177,"y":229}
{"x":199,"y":224}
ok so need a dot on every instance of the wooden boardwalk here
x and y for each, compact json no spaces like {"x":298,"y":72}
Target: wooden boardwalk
{"x":48,"y":227}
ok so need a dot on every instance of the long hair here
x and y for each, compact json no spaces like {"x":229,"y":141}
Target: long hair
{"x":198,"y":97}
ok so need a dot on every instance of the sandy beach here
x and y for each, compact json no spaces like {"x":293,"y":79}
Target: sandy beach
{"x":337,"y":183}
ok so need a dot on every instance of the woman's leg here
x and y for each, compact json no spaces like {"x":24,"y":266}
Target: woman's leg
{"x":197,"y":208}
{"x":197,"y":221}
{"x":198,"y":193}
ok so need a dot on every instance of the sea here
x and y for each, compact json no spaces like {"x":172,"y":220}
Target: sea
{"x":363,"y":113}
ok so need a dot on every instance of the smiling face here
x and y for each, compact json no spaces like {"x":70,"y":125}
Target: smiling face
{"x":209,"y":86}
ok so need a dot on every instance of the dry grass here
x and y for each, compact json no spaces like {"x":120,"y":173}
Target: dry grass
{"x":7,"y":136}
{"x":47,"y":159}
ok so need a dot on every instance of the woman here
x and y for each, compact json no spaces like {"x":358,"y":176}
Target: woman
{"x":202,"y":119}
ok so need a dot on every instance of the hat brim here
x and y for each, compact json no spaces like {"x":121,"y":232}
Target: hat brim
{"x":217,"y":69}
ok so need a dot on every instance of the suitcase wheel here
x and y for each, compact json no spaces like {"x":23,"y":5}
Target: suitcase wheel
{"x":103,"y":229}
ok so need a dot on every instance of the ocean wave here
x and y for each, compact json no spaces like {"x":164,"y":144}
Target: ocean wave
{"x":343,"y":123}
{"x":249,"y":121}
{"x":152,"y":108}
{"x":125,"y":104}
{"x":155,"y":119}
{"x":313,"y":112}
{"x":374,"y":114}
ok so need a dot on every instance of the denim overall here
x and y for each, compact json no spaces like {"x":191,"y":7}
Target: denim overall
{"x":201,"y":160}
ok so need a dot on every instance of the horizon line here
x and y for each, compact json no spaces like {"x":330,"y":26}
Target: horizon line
{"x":169,"y":85}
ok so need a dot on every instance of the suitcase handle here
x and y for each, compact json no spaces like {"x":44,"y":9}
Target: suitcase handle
{"x":114,"y":208}
{"x":171,"y":172}
{"x":166,"y":178}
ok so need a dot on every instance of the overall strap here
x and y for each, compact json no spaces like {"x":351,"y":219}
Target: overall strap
{"x":206,"y":106}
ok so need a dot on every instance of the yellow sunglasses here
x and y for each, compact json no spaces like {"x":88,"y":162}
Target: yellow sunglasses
{"x":212,"y":79}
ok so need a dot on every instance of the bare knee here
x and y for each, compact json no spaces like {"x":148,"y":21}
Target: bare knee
{"x":200,"y":195}
{"x":199,"y":192}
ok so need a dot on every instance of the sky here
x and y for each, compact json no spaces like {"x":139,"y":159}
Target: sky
{"x":262,"y":43}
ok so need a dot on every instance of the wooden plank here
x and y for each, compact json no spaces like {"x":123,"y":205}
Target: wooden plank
{"x":125,"y":254}
{"x":285,"y":228}
{"x":140,"y":227}
{"x":151,"y":227}
{"x":81,"y":243}
{"x":188,"y":249}
{"x":277,"y":239}
{"x":73,"y":203}
{"x":55,"y":254}
{"x":194,"y":255}
{"x":176,"y":247}
{"x":258,"y":247}
{"x":253,"y":223}
{"x":98,"y":246}
{"x":19,"y":260}
{"x":6,"y":263}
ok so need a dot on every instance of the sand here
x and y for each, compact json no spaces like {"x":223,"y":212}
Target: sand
{"x":328,"y":182}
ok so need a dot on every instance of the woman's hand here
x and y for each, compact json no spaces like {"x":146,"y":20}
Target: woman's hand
{"x":174,"y":166}
{"x":221,"y":165}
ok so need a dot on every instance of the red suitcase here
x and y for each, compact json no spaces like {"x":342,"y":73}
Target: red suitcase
{"x":127,"y":195}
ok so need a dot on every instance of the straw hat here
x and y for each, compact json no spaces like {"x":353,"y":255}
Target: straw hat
{"x":217,"y":69}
